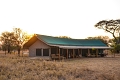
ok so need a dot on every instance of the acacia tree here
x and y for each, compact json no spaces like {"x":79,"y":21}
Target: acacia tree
{"x":111,"y":26}
{"x":20,"y":38}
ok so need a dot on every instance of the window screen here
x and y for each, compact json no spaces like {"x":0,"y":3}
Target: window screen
{"x":45,"y":52}
{"x":38,"y":52}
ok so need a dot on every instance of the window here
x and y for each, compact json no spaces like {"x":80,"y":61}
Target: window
{"x":53,"y":50}
{"x":45,"y":52}
{"x":38,"y":52}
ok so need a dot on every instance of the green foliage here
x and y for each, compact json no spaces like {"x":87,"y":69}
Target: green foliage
{"x":13,"y":40}
{"x":117,"y":48}
{"x":7,"y":39}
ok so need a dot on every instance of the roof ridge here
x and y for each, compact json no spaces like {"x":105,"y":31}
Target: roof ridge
{"x":65,"y":38}
{"x":52,"y":36}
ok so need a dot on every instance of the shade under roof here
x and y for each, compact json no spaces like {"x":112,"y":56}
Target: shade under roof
{"x":83,"y":47}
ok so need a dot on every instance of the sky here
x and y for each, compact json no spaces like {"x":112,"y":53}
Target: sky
{"x":73,"y":18}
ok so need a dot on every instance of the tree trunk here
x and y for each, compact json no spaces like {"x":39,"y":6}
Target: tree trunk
{"x":115,"y":39}
{"x":114,"y":54}
{"x":119,"y":38}
{"x":5,"y":51}
{"x":22,"y":52}
{"x":18,"y":51}
{"x":8,"y":48}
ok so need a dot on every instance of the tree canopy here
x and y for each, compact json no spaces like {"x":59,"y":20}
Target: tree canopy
{"x":14,"y":40}
{"x":7,"y":39}
{"x":111,"y":26}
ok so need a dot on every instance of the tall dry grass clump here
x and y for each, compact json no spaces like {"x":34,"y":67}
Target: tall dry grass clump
{"x":24,"y":68}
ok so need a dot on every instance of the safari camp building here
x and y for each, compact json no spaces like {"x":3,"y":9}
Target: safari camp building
{"x":48,"y":47}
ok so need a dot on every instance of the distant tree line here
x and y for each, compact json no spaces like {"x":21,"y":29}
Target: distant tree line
{"x":64,"y":37}
{"x":14,"y":40}
{"x":104,"y":39}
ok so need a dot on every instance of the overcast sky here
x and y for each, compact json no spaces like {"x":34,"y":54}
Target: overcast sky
{"x":73,"y":18}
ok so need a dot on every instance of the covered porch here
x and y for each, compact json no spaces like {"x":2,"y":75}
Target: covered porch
{"x":67,"y":52}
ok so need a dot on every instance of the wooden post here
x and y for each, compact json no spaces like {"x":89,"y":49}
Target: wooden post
{"x":97,"y":52}
{"x":78,"y":52}
{"x":49,"y":51}
{"x":41,"y":52}
{"x":73,"y":52}
{"x":59,"y":53}
{"x":88,"y":51}
{"x":62,"y":52}
{"x":67,"y":53}
{"x":81,"y":52}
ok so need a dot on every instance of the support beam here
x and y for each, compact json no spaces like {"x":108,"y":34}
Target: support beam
{"x":96,"y":52}
{"x":89,"y":52}
{"x":81,"y":52}
{"x":49,"y":51}
{"x":67,"y":53}
{"x":41,"y":52}
{"x":78,"y":52}
{"x":73,"y":53}
{"x":62,"y":52}
{"x":59,"y":53}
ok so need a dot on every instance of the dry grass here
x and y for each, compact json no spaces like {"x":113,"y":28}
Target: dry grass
{"x":24,"y":68}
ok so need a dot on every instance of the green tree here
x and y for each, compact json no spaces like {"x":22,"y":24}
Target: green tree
{"x":14,"y":40}
{"x":20,"y":38}
{"x":7,"y":39}
{"x":115,"y":46}
{"x":111,"y":26}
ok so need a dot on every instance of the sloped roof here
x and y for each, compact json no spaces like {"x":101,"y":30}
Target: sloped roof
{"x":69,"y":42}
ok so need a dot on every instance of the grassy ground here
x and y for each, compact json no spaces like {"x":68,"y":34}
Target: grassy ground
{"x":24,"y":68}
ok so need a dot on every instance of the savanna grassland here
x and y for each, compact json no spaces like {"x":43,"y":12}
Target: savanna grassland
{"x":25,"y":68}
